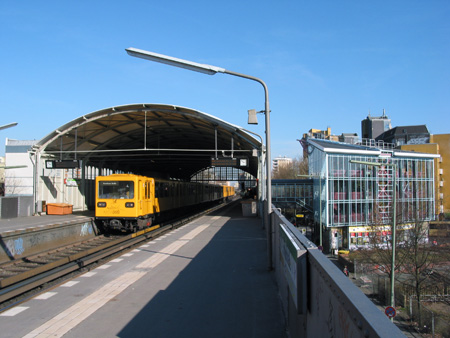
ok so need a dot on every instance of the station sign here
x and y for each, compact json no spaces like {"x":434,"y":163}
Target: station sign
{"x":62,"y":164}
{"x":229,"y":162}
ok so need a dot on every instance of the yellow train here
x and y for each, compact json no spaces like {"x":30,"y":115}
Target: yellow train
{"x":131,"y":202}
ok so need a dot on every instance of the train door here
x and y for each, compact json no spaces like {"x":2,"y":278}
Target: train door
{"x":140,"y":203}
{"x":148,"y":197}
{"x":145,"y":189}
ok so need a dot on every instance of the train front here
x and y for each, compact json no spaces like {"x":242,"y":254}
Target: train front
{"x":116,"y":202}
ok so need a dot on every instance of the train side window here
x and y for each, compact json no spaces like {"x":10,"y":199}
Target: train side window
{"x":158,"y":190}
{"x":147,"y":190}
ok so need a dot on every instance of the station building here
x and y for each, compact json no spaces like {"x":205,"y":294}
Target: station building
{"x":352,"y":197}
{"x":18,"y":179}
{"x":155,"y":140}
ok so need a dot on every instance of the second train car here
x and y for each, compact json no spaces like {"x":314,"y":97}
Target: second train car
{"x":129,"y":202}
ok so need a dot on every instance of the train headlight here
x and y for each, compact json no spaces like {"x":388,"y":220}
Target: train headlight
{"x":101,"y":204}
{"x":129,"y":205}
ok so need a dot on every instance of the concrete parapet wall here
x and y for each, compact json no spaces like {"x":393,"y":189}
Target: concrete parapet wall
{"x":23,"y":243}
{"x":318,"y":299}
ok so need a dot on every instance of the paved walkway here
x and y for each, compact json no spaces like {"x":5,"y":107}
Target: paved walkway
{"x":208,"y":278}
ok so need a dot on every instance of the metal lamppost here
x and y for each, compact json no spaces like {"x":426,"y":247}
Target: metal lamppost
{"x":212,"y":70}
{"x":394,"y":219}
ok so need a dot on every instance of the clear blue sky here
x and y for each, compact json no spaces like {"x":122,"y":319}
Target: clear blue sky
{"x":326,"y":63}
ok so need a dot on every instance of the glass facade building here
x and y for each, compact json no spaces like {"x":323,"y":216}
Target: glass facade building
{"x":292,"y":192}
{"x":351,"y":196}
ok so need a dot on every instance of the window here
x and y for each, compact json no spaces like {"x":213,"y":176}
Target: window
{"x":116,"y":190}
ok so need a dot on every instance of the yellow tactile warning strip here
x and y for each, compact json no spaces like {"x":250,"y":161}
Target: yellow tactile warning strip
{"x":68,"y":319}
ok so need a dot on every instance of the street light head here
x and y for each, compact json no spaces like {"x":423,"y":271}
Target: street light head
{"x":171,"y":61}
{"x":252,"y":119}
{"x":8,"y":125}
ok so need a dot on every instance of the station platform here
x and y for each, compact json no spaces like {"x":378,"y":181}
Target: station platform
{"x":208,"y":278}
{"x":21,"y":223}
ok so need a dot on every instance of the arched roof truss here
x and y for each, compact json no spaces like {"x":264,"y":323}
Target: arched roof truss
{"x":150,"y":139}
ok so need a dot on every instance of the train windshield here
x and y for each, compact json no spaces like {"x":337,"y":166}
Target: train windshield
{"x":116,"y":189}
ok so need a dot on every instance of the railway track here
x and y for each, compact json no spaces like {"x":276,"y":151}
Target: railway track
{"x":21,"y":279}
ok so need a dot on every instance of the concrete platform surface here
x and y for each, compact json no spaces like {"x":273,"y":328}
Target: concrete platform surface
{"x":19,"y":223}
{"x":208,"y":278}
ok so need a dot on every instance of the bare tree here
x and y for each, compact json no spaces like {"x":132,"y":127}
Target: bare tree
{"x":299,"y":166}
{"x":378,"y":251}
{"x":13,"y":185}
{"x":418,"y":257}
{"x":415,"y":258}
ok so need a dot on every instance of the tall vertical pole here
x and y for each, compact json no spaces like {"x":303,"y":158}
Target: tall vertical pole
{"x":320,"y":210}
{"x":268,"y":155}
{"x":394,"y":221}
{"x":268,"y":181}
{"x":268,"y":201}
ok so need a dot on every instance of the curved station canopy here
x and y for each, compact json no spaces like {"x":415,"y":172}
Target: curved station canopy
{"x":152,"y":139}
